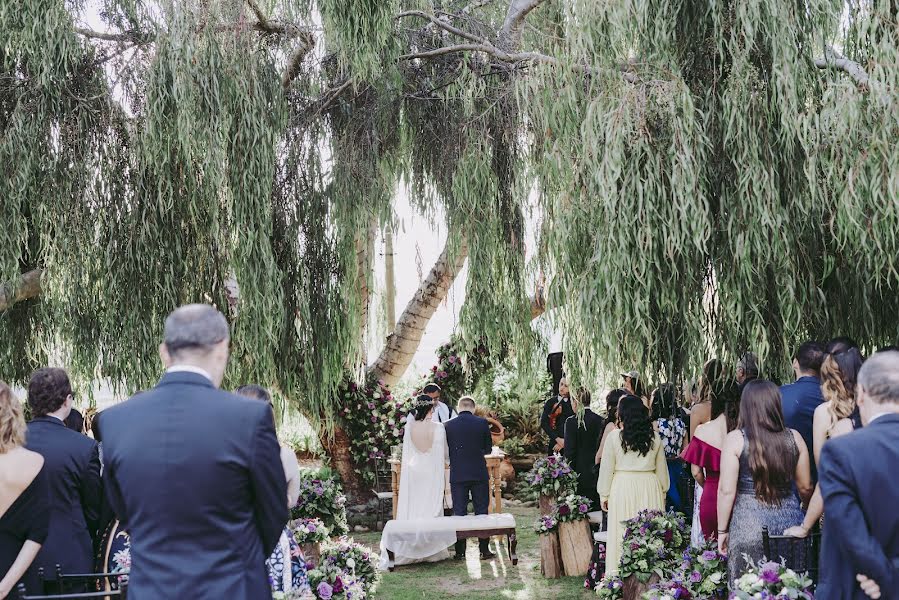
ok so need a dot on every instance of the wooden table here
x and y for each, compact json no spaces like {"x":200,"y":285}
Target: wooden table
{"x":493,"y":462}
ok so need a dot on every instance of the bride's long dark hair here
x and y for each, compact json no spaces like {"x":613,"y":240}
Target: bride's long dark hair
{"x":423,"y":405}
{"x":637,"y":433}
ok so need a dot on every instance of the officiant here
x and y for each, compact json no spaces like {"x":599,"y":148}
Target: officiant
{"x":442,"y":412}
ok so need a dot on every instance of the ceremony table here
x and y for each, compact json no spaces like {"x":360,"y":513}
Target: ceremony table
{"x":493,"y":462}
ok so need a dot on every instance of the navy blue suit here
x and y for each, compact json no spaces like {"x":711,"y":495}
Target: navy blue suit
{"x":195,"y":476}
{"x":800,"y":399}
{"x":468,"y":439}
{"x":72,"y":468}
{"x":861,"y":507}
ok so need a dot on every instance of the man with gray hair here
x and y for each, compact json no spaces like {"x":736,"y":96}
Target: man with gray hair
{"x":194,"y":473}
{"x":859,"y":483}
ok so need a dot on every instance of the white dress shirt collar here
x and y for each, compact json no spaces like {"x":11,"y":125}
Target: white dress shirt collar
{"x":189,"y":369}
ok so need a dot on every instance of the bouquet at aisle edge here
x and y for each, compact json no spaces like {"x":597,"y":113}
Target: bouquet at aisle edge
{"x":653,"y":543}
{"x":545,"y":524}
{"x":772,"y":580}
{"x":610,"y":587}
{"x":571,"y":508}
{"x":321,"y":499}
{"x":309,"y":531}
{"x":552,"y":476}
{"x":355,"y":559}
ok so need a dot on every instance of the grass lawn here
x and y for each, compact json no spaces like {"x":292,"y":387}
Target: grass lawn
{"x":478,"y":580}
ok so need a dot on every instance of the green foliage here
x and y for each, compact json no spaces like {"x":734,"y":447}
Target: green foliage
{"x":321,"y":497}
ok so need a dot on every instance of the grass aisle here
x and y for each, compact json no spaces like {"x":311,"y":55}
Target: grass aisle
{"x":479,"y":580}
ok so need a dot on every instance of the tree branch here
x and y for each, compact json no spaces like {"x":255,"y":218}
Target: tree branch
{"x":834,"y":60}
{"x":443,"y":25}
{"x":513,"y":26}
{"x":26,"y":287}
{"x":307,"y":43}
{"x":136,"y":37}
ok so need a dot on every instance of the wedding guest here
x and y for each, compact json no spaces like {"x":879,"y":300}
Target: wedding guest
{"x":704,"y":452}
{"x":555,"y":412}
{"x":837,"y":416}
{"x":72,"y":465}
{"x":24,"y":501}
{"x":760,"y":463}
{"x":633,"y":474}
{"x":840,"y":344}
{"x":747,"y":369}
{"x":858,"y":482}
{"x":75,"y":421}
{"x":611,"y":422}
{"x":442,"y":413}
{"x":668,"y":420}
{"x":581,"y":442}
{"x":701,"y":411}
{"x":634,"y":385}
{"x":207,"y":506}
{"x":288,"y":456}
{"x":800,"y":399}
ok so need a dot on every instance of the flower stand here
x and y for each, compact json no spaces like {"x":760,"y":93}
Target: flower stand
{"x":576,"y":547}
{"x":634,"y":589}
{"x":312,"y":553}
{"x":550,"y":555}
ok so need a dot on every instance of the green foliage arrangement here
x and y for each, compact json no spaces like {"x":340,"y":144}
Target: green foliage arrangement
{"x":654,"y":543}
{"x":321,"y":498}
{"x":354,"y":559}
{"x":552,"y":476}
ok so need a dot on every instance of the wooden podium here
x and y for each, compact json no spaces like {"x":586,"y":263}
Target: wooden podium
{"x":493,"y":462}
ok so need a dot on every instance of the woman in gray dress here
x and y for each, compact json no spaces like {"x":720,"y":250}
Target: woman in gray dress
{"x":760,"y":462}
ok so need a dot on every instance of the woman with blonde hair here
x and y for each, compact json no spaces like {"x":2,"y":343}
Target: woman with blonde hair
{"x":24,"y":500}
{"x":836,"y":416}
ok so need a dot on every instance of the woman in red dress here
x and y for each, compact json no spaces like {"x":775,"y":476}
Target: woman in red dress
{"x":704,"y":451}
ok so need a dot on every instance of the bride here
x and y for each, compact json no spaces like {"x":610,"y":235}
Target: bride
{"x":422,"y":481}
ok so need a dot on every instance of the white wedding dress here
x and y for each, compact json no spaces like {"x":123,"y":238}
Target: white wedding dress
{"x":422,"y":481}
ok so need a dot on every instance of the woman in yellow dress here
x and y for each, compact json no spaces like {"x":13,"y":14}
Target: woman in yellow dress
{"x":633,"y":473}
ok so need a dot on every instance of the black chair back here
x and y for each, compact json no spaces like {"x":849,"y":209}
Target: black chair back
{"x":78,"y":583}
{"x":799,"y":554}
{"x":686,"y":486}
{"x":119,"y":594}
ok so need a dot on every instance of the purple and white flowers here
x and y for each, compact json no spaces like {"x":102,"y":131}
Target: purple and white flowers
{"x":552,"y":476}
{"x":571,"y":508}
{"x":309,"y":531}
{"x":545,"y":524}
{"x":772,"y":580}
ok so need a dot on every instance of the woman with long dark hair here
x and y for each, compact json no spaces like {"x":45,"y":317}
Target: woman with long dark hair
{"x":759,"y":465}
{"x":704,"y":452}
{"x":633,"y":473}
{"x":612,"y":399}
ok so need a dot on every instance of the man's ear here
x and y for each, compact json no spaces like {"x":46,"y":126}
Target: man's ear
{"x":165,"y":356}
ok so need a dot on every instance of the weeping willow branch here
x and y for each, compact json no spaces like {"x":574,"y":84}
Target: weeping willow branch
{"x":136,"y":37}
{"x":307,"y":43}
{"x":834,"y":60}
{"x":513,"y":26}
{"x":444,"y":25}
{"x":26,"y":287}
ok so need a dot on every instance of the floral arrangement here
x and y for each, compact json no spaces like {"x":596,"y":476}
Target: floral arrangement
{"x":702,"y":574}
{"x":654,"y":542}
{"x":309,"y":531}
{"x":545,"y":524}
{"x":374,"y":420}
{"x":321,"y":498}
{"x":330,"y":582}
{"x":552,"y":476}
{"x":571,"y":508}
{"x":597,"y":567}
{"x":772,"y":580}
{"x":355,"y":559}
{"x":303,"y":594}
{"x":610,"y":587}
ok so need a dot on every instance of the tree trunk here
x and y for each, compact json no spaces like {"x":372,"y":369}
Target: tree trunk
{"x":389,"y":279}
{"x":337,"y":449}
{"x":26,"y":287}
{"x":403,"y":342}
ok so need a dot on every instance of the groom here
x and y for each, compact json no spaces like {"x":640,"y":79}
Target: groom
{"x":468,"y":439}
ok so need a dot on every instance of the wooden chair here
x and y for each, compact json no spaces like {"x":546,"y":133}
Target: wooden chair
{"x":119,"y":594}
{"x":799,"y":554}
{"x":383,"y":489}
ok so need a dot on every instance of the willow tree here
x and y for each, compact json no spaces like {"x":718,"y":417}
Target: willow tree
{"x":708,"y":178}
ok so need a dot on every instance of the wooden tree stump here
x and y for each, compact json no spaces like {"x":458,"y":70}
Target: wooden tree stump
{"x":576,"y":547}
{"x":546,"y":504}
{"x":633,"y":589}
{"x":312,"y":553}
{"x":550,"y":555}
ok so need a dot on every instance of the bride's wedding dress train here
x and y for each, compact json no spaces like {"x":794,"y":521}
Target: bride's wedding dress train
{"x":422,"y":481}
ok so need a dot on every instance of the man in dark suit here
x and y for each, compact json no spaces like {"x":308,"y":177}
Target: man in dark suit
{"x":581,"y":444}
{"x":194,"y":473}
{"x":800,"y":399}
{"x":556,"y":411}
{"x":468,"y":439}
{"x":861,"y":493}
{"x":72,"y":463}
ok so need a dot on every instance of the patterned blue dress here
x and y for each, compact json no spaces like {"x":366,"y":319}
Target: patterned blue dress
{"x":287,"y":555}
{"x":673,"y":431}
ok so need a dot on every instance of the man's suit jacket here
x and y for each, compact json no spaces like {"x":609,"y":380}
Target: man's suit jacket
{"x":800,"y":399}
{"x":858,"y":478}
{"x":195,"y":475}
{"x":468,"y":439}
{"x":581,"y":444}
{"x":72,"y":465}
{"x":546,"y":423}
